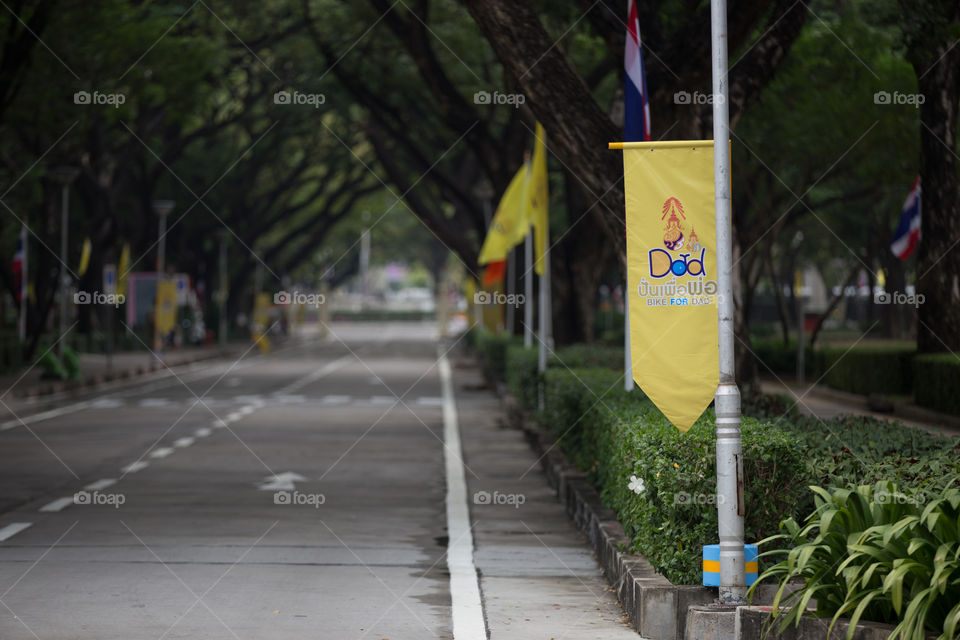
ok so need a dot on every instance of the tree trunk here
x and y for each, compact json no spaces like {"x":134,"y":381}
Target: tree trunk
{"x":936,"y":61}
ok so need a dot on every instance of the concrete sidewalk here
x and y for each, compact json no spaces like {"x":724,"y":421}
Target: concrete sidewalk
{"x":825,"y":403}
{"x":96,"y":368}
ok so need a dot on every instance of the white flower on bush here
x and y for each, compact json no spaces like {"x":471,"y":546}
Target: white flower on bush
{"x":636,"y":485}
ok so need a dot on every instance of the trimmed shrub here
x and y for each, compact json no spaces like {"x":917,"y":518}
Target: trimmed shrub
{"x":522,"y":376}
{"x":773,"y":355}
{"x":866,"y":370}
{"x":937,"y":382}
{"x":660,"y":482}
{"x":492,"y":349}
{"x":588,"y":356}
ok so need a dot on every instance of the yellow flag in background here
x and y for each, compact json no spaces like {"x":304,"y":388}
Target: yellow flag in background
{"x":122,"y":269}
{"x":165,"y":311}
{"x":672,"y":275}
{"x":539,"y":199}
{"x":84,"y":257}
{"x":509,"y":225}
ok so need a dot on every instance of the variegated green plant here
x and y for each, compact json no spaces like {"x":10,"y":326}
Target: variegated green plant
{"x":874,"y":553}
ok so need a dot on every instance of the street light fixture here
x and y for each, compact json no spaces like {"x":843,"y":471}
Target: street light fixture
{"x":63,"y":176}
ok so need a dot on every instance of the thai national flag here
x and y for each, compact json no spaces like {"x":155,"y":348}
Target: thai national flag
{"x":908,"y":230}
{"x":19,"y":263}
{"x":636,"y":117}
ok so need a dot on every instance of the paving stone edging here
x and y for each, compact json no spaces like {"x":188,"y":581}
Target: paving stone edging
{"x":657,"y":608}
{"x":46,"y":388}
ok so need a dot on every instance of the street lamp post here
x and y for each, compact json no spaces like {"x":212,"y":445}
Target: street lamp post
{"x":64,"y":176}
{"x":222,"y":294}
{"x":162,"y":208}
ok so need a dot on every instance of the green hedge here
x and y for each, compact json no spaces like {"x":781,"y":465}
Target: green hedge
{"x":617,"y":436}
{"x":773,"y":355}
{"x":937,"y":382}
{"x":865,"y":370}
{"x":492,"y":348}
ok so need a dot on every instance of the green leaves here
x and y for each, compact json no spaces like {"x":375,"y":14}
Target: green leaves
{"x":876,"y":553}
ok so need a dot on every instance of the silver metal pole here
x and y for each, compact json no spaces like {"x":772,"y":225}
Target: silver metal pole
{"x":24,"y":279}
{"x":528,"y":290}
{"x":730,"y":507}
{"x":511,"y":269}
{"x":546,"y":321}
{"x":222,"y":297}
{"x":64,"y":277}
{"x":627,"y":360}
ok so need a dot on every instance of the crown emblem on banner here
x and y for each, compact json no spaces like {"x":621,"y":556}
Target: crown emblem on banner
{"x":673,"y":232}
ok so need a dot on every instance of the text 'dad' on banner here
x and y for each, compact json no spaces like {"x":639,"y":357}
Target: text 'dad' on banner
{"x":672,"y":275}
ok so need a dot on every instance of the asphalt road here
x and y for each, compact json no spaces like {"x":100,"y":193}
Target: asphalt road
{"x":354,"y":487}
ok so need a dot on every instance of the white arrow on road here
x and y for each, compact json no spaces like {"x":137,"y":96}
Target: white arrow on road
{"x":281,"y":481}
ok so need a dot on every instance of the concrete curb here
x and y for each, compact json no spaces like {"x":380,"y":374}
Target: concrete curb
{"x":91,"y":382}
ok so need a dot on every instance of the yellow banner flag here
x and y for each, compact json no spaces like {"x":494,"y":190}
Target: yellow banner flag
{"x":165,"y":311}
{"x":122,"y":269}
{"x":672,"y":275}
{"x":509,"y":225}
{"x":539,"y":199}
{"x":85,"y":257}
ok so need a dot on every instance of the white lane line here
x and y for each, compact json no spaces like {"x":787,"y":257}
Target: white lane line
{"x":466,"y":605}
{"x":232,"y":417}
{"x":106,"y":403}
{"x":133,"y":467}
{"x":218,"y":424}
{"x":183,"y":442}
{"x":247,"y":410}
{"x":44,"y":415}
{"x":382,"y":400}
{"x":100,"y":484}
{"x":335,"y":400}
{"x":325,"y":370}
{"x":202,"y":432}
{"x":57,"y":505}
{"x":427,"y":401}
{"x":285,"y":398}
{"x":13,"y":529}
{"x":162,"y":452}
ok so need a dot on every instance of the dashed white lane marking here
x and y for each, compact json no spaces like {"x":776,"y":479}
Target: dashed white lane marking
{"x":106,"y":403}
{"x":154,"y":403}
{"x":13,"y":529}
{"x":466,"y":605}
{"x":284,"y":398}
{"x":430,"y":402}
{"x":57,"y":505}
{"x":381,"y":400}
{"x":218,"y":424}
{"x":183,"y":442}
{"x":335,"y":400}
{"x":43,"y":415}
{"x":100,"y":484}
{"x":133,"y":467}
{"x":247,"y":410}
{"x":162,"y":452}
{"x":202,"y":432}
{"x":232,"y":417}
